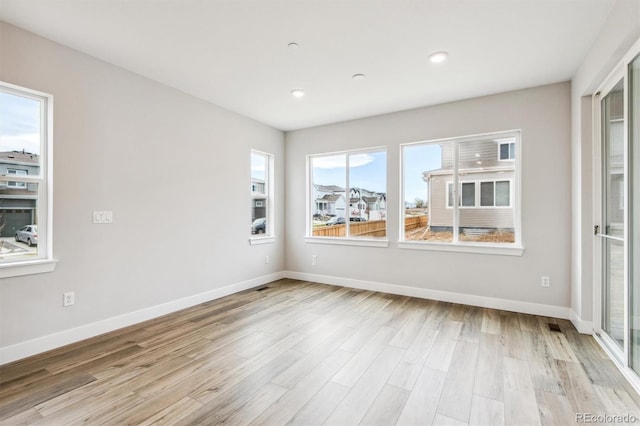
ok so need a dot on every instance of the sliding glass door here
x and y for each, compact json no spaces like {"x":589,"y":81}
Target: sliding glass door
{"x":617,"y":213}
{"x":612,"y":232}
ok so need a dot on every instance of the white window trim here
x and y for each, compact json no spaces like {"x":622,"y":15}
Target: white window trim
{"x":478,"y":194}
{"x":347,"y":240}
{"x":269,"y":236}
{"x":45,"y":261}
{"x":516,"y":248}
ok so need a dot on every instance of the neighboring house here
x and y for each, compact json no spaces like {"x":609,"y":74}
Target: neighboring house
{"x":367,"y":204}
{"x":329,"y":200}
{"x":258,"y":199}
{"x":486,"y":172}
{"x":17,"y":199}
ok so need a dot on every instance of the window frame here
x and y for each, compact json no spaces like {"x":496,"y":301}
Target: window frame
{"x":44,"y":261}
{"x":511,"y":152}
{"x":17,"y":185}
{"x":269,"y":191}
{"x":310,"y":203}
{"x":515,"y":199}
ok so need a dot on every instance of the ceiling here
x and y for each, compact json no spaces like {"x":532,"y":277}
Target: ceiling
{"x":235,"y":53}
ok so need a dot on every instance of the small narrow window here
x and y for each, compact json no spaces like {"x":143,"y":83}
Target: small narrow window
{"x":507,"y":151}
{"x":261,"y":194}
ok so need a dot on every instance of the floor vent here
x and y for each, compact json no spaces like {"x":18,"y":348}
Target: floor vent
{"x":555,"y":327}
{"x":262,"y":288}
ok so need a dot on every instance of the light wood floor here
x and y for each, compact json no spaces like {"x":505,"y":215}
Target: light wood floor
{"x":304,"y":353}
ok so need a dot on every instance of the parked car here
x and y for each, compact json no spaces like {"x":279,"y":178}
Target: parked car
{"x":335,"y":221}
{"x":357,"y":219}
{"x":259,"y":226}
{"x":28,"y":234}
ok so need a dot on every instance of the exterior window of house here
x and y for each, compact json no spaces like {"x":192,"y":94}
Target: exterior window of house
{"x":457,"y":192}
{"x":262,"y":229}
{"x":507,"y":151}
{"x":348,"y":195}
{"x":468,"y":194}
{"x":25,"y":181}
{"x":18,"y":173}
{"x":495,"y":194}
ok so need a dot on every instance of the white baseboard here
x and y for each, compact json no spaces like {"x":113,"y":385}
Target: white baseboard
{"x":584,"y":327}
{"x":45,"y":343}
{"x":444,"y":296}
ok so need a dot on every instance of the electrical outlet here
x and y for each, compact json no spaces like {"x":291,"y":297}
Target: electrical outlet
{"x":545,"y":281}
{"x":68,"y":299}
{"x":314,"y":260}
{"x":103,"y":216}
{"x":266,"y":259}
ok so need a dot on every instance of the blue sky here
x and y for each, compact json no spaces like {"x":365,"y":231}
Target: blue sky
{"x":368,"y":170}
{"x":19,"y":124}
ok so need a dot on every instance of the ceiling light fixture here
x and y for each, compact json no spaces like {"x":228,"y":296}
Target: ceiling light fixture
{"x":438,"y":57}
{"x":293,"y":45}
{"x":297,"y":93}
{"x":358,"y":76}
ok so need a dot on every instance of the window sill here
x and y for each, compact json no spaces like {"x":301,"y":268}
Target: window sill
{"x":348,"y":241}
{"x":8,"y":270}
{"x":261,"y":240}
{"x":463,"y":248}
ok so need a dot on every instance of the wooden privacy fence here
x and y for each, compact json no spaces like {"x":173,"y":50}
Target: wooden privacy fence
{"x":414,"y":222}
{"x":374,"y":228}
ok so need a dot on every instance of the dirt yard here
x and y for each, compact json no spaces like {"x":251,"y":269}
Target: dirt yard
{"x":419,"y":234}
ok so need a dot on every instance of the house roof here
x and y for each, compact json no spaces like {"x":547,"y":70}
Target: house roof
{"x":19,"y":157}
{"x":329,"y":197}
{"x":329,"y":188}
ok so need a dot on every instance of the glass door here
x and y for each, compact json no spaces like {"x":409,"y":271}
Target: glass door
{"x":613,"y":213}
{"x":634,"y":213}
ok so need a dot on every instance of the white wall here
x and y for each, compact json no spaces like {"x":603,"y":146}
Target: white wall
{"x":619,"y":33}
{"x":542,"y":113}
{"x":174,"y":170}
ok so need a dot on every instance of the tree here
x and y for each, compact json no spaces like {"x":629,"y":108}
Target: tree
{"x":419,"y":203}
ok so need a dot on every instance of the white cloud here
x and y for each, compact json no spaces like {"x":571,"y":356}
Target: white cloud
{"x":30,"y":142}
{"x":339,"y":161}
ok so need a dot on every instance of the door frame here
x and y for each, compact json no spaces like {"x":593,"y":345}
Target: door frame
{"x":620,"y":357}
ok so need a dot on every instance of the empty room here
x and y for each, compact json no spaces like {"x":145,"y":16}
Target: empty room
{"x":336,"y":212}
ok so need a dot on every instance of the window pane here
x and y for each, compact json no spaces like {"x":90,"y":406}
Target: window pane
{"x":504,"y":151}
{"x":259,"y":193}
{"x":367,"y":195}
{"x":427,"y":174}
{"x":486,"y":194}
{"x":18,"y":223}
{"x":468,"y":194}
{"x":502,"y":194}
{"x":328,"y":197}
{"x":20,"y":134}
{"x":613,"y":129}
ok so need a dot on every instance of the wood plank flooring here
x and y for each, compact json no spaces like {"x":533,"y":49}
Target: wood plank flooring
{"x":302,"y":353}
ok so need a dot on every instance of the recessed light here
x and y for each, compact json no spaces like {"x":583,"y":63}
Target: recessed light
{"x":478,"y":162}
{"x":438,"y":57}
{"x":358,"y":76}
{"x":293,"y":45}
{"x":297,"y":93}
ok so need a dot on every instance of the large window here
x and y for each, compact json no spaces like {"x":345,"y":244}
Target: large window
{"x":25,"y":178}
{"x":462,"y":191}
{"x":348,"y":195}
{"x":261,"y":196}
